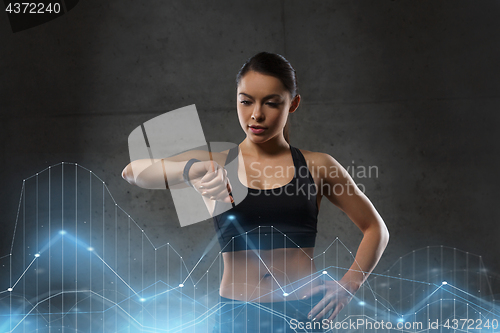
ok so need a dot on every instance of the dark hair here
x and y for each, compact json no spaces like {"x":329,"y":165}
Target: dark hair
{"x":274,"y":65}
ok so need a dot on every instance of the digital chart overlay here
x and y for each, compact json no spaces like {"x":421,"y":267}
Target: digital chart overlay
{"x":79,"y":263}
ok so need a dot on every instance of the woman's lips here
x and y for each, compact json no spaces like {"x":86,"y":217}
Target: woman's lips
{"x":257,"y":130}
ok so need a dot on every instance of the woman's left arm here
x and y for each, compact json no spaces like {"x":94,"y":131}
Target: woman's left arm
{"x":338,"y":186}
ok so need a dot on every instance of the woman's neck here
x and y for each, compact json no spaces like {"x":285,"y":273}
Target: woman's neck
{"x":272,"y":147}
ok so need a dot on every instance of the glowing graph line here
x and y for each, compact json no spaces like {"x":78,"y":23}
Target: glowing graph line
{"x":439,"y":287}
{"x":119,"y":301}
{"x":31,"y":263}
{"x":65,"y":292}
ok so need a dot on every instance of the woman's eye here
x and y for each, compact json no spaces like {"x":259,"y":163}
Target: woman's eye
{"x":245,"y":102}
{"x":273,"y":105}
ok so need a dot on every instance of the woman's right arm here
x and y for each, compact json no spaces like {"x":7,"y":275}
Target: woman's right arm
{"x":160,"y":173}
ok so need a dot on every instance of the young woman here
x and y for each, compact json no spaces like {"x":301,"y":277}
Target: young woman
{"x":270,"y":282}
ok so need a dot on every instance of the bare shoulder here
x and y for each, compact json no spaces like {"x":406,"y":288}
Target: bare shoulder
{"x":323,"y":166}
{"x":318,"y":158}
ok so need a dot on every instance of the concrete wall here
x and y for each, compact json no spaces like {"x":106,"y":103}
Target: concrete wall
{"x":409,"y":87}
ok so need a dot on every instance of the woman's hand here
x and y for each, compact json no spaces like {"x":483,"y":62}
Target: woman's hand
{"x":210,"y":180}
{"x":337,"y":295}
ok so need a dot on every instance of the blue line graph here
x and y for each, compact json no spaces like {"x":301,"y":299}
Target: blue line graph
{"x":78,"y":262}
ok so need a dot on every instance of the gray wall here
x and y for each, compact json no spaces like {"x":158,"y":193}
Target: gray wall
{"x":409,"y":87}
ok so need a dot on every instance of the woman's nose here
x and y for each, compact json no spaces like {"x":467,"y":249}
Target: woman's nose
{"x":257,"y":113}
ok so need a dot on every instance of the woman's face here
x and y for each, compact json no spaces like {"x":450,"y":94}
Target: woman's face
{"x":263,"y":106}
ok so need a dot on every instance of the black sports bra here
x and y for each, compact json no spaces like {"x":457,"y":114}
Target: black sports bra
{"x":265,"y":219}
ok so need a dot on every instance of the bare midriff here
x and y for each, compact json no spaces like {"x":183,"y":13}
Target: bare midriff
{"x":280,"y":274}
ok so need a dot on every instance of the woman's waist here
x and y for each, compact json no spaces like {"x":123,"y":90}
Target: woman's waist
{"x":278,"y":257}
{"x":271,"y":288}
{"x":268,"y":276}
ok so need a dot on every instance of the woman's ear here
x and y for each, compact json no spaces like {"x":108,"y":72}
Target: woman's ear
{"x":295,"y":104}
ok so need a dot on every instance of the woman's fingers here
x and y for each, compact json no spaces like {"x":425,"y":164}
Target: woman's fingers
{"x":323,"y":313}
{"x":223,"y":195}
{"x":215,"y":185}
{"x":320,"y":310}
{"x":213,"y":178}
{"x":313,"y":291}
{"x":336,"y":311}
{"x":210,"y":175}
{"x":331,"y":302}
{"x":325,"y":307}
